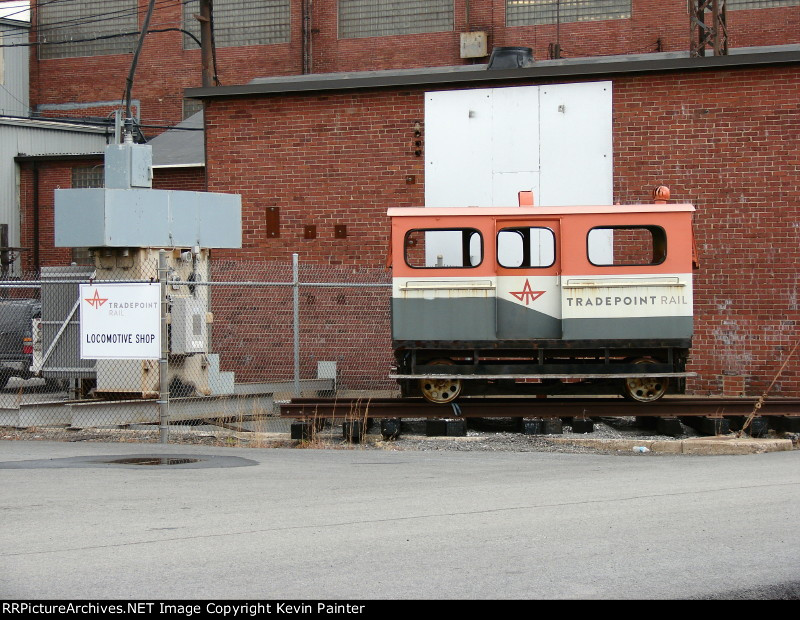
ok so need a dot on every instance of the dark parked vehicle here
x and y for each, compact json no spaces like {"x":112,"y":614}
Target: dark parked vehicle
{"x":16,"y":337}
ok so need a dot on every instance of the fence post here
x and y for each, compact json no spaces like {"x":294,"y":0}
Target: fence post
{"x":163,"y":362}
{"x":296,"y":321}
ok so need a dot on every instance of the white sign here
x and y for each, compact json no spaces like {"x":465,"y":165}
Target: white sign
{"x":120,"y":321}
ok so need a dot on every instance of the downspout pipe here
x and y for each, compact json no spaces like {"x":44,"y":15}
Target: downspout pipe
{"x":36,"y":233}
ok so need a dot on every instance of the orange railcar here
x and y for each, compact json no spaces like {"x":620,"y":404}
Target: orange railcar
{"x":542,"y":299}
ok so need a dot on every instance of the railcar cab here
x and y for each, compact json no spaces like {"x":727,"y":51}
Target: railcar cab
{"x":582,"y":299}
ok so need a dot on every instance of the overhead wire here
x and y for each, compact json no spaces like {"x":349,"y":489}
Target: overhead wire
{"x":105,"y":36}
{"x":95,"y":18}
{"x":106,"y":16}
{"x":9,"y":15}
{"x":135,"y":61}
{"x":64,"y":23}
{"x":13,"y":96}
{"x":101,"y":16}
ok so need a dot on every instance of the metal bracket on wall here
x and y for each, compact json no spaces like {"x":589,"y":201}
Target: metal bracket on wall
{"x":273,"y":222}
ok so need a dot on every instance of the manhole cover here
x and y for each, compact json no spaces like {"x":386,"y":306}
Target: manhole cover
{"x":121,"y":461}
{"x":144,"y":460}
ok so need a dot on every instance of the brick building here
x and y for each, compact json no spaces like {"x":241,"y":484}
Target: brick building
{"x":335,"y":151}
{"x":80,"y":71}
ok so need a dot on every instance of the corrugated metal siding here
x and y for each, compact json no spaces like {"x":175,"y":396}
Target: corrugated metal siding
{"x":13,"y":71}
{"x":15,"y":140}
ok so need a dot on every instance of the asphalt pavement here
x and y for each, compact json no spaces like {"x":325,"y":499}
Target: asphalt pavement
{"x":144,"y":521}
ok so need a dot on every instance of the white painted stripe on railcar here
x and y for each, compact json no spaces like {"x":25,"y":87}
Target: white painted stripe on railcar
{"x":410,"y":288}
{"x":645,"y":296}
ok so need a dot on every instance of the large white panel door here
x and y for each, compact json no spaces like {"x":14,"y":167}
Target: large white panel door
{"x":483,"y":146}
{"x":515,"y":144}
{"x":458,"y":154}
{"x":576,"y":144}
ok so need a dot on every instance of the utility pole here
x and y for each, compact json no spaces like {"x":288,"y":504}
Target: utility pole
{"x":206,"y":43}
{"x":701,"y":34}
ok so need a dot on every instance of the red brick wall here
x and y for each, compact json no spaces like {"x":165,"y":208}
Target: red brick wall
{"x":185,"y":179}
{"x":165,"y":68}
{"x":163,"y":71}
{"x":718,"y":143}
{"x":51,"y":176}
{"x":711,"y":136}
{"x":323,"y":161}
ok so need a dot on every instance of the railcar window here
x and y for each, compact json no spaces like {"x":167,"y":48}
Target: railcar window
{"x":451,"y":247}
{"x":627,"y":245}
{"x":526,"y":246}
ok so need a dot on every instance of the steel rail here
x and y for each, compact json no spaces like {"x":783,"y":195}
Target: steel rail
{"x":356,"y":408}
{"x":488,"y":375}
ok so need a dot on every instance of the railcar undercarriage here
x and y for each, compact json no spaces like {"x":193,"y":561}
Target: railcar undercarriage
{"x":443,"y":371}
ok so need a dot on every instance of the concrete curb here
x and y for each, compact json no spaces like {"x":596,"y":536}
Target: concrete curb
{"x":717,"y":445}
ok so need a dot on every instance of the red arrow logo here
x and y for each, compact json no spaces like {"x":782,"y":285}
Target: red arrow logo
{"x":96,"y":301}
{"x":527,"y":294}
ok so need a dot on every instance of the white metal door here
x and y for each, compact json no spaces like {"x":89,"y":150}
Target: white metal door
{"x":483,"y":146}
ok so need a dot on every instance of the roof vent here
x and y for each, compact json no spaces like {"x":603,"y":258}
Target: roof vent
{"x":510,"y":58}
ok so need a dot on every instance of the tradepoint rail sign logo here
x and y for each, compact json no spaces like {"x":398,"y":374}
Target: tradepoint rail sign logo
{"x":527,"y":294}
{"x":120,"y":321}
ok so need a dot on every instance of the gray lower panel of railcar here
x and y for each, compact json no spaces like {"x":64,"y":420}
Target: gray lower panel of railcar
{"x":473,"y":319}
{"x":467,"y":319}
{"x":630,"y":328}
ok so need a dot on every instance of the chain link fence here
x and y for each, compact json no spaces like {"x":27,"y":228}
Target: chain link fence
{"x":237,"y":339}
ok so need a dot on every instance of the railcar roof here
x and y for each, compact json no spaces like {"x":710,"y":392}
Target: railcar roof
{"x":521,"y":211}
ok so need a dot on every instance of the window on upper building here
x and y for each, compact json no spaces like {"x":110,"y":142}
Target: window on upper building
{"x":86,"y":27}
{"x":241,"y":22}
{"x":759,"y":4}
{"x":88,"y":176}
{"x":191,"y":107}
{"x":379,"y":18}
{"x":534,"y":12}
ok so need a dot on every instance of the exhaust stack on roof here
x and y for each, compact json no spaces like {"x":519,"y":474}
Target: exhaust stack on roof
{"x":510,"y":58}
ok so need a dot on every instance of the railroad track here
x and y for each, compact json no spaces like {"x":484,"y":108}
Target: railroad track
{"x":355,"y":408}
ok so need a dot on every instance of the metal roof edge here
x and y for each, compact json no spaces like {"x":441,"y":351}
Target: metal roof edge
{"x":565,"y":68}
{"x":168,"y":166}
{"x":23,"y":157}
{"x":32,"y":123}
{"x":544,"y":210}
{"x":19,"y":23}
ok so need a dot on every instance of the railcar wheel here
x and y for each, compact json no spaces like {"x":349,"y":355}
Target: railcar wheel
{"x":440,"y":391}
{"x":644,"y":389}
